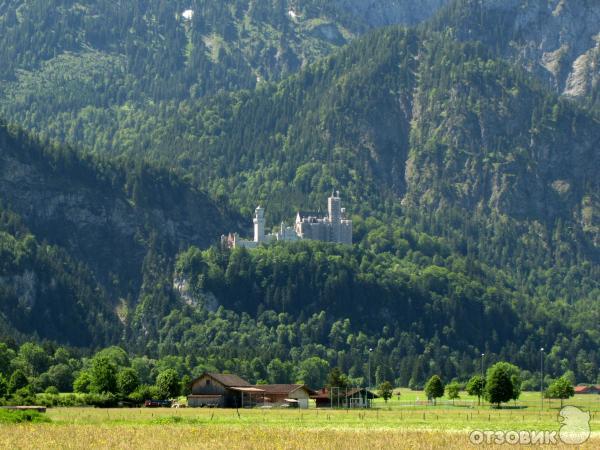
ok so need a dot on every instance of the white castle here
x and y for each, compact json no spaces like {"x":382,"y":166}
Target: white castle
{"x":335,"y":227}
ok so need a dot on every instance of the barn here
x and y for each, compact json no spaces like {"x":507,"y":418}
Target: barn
{"x":223,"y":391}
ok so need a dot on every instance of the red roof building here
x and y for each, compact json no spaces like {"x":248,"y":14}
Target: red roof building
{"x":587,"y":389}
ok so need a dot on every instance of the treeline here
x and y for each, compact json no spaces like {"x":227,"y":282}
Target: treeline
{"x":421,"y":312}
{"x":32,"y":374}
{"x":104,"y":379}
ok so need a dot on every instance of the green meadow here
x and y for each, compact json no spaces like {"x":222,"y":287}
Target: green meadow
{"x":404,"y":423}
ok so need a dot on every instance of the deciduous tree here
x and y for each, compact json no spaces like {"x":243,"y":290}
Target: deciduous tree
{"x":386,"y":390}
{"x":167,"y":383}
{"x":476,"y":386}
{"x":434,"y":388}
{"x":561,"y":388}
{"x":453,"y":391}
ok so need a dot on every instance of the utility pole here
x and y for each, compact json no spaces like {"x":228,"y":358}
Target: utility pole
{"x":542,"y":376}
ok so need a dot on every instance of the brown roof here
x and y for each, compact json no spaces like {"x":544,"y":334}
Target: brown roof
{"x":226,"y":379}
{"x":283,"y":388}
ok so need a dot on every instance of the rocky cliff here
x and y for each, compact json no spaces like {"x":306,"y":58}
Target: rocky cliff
{"x":557,"y":40}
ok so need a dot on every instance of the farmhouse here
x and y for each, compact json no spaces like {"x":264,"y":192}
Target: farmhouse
{"x":587,"y":389}
{"x":344,"y":398}
{"x":224,"y":391}
{"x":297,"y":395}
{"x":231,"y":391}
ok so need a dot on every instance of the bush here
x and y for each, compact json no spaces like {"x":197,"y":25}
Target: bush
{"x":3,"y":386}
{"x":143,"y":393}
{"x":82,"y":383}
{"x":47,"y":400}
{"x":52,"y":390}
{"x":105,"y":400}
{"x":71,"y":400}
{"x":23,"y":396}
{"x":8,"y":416}
{"x":62,"y":400}
{"x":18,"y":380}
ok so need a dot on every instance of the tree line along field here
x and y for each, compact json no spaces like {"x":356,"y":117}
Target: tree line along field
{"x":405,"y":423}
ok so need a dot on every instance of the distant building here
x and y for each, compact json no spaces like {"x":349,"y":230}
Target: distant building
{"x":587,"y":389}
{"x":344,"y":398}
{"x":231,"y":391}
{"x":294,"y":395}
{"x":335,"y":227}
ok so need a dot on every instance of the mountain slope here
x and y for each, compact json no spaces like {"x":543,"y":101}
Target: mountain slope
{"x":140,"y":53}
{"x":47,"y":294}
{"x":110,"y":224}
{"x":472,"y":187}
{"x":558,"y":41}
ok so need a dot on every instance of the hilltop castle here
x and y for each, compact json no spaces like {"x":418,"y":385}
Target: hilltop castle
{"x":334,"y":227}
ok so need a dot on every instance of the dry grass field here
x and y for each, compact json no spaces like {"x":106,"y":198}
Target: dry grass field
{"x":229,"y":437}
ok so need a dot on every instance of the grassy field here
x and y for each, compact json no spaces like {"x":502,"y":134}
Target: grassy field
{"x":527,"y":400}
{"x":395,"y":425}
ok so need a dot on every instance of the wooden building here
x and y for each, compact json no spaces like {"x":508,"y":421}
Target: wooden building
{"x":223,"y":391}
{"x":344,"y":398}
{"x":295,"y":395}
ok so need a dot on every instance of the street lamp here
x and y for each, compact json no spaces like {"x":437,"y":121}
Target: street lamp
{"x":369,"y":377}
{"x":369,"y":387}
{"x":542,"y":376}
{"x":482,"y":355}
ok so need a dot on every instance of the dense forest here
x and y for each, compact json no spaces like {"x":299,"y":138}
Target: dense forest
{"x":144,"y":134}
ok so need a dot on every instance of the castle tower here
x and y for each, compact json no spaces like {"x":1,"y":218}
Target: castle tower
{"x":259,"y":225}
{"x":334,"y":207}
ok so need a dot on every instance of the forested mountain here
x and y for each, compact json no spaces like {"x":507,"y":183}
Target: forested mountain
{"x":558,"y":41}
{"x":95,"y":60}
{"x":471,"y":180}
{"x":82,"y":236}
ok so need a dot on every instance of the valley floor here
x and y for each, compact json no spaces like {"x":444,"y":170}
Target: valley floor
{"x":384,"y":427}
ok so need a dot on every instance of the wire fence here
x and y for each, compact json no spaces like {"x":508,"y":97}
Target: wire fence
{"x":589,"y":402}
